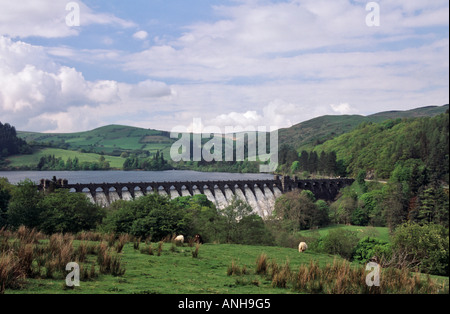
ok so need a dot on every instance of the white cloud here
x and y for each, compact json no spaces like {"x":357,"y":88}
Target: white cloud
{"x":140,"y":35}
{"x":38,"y":94}
{"x":296,"y":39}
{"x":343,"y":108}
{"x":47,"y":18}
{"x":150,"y":89}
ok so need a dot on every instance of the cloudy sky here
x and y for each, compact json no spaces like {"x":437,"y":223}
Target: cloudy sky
{"x":162,"y":63}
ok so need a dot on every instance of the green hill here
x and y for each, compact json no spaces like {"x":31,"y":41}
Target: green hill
{"x":308,"y":134}
{"x":111,"y":140}
{"x":378,"y":147}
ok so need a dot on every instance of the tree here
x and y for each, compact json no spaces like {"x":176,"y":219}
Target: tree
{"x":5,"y":197}
{"x":295,"y":166}
{"x":253,"y":231}
{"x":304,"y":157}
{"x":313,"y":162}
{"x":433,"y":206}
{"x":340,"y":241}
{"x":24,"y":207}
{"x":10,"y":144}
{"x":394,"y":204}
{"x":63,"y":211}
{"x":152,"y":215}
{"x":298,"y":210}
{"x":426,"y":247}
{"x":236,"y":211}
{"x":361,"y":180}
{"x":287,"y":154}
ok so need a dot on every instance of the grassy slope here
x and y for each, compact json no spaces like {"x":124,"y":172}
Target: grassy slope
{"x":107,"y":139}
{"x":179,"y":273}
{"x":381,"y":233}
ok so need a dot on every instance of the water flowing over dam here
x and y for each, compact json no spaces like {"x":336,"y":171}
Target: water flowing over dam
{"x":259,"y":194}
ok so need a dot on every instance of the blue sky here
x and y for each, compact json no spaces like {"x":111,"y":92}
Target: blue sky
{"x":160,"y":64}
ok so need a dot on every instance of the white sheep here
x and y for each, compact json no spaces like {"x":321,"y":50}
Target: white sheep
{"x":302,"y":247}
{"x":180,"y":238}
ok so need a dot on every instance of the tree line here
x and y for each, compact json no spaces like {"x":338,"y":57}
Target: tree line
{"x":10,"y":144}
{"x":305,"y":163}
{"x":50,"y":162}
{"x":153,"y":163}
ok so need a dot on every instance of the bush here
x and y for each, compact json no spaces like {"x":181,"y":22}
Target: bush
{"x":423,"y":246}
{"x":24,"y":207}
{"x":342,"y":242}
{"x":369,"y":248}
{"x":63,"y":211}
{"x":151,"y":215}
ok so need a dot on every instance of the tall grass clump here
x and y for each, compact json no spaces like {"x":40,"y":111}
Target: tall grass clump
{"x":121,"y":241}
{"x":160,"y":247}
{"x":109,"y":263}
{"x":27,"y":253}
{"x":234,"y":269}
{"x":340,"y":277}
{"x":261,"y":264}
{"x":282,"y":276}
{"x":12,"y":275}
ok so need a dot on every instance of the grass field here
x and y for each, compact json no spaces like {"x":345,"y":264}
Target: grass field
{"x":176,"y":271}
{"x":106,"y":139}
{"x":27,"y":160}
{"x":381,"y":233}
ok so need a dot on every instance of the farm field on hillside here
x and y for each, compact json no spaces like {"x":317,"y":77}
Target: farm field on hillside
{"x":27,"y":160}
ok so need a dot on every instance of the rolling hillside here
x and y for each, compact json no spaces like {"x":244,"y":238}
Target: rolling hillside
{"x":113,"y":140}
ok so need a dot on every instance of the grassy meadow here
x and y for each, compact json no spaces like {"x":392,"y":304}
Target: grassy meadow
{"x":380,"y":233}
{"x":125,"y":265}
{"x":18,"y":161}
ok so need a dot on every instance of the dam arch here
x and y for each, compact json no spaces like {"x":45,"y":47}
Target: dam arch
{"x":260,"y":194}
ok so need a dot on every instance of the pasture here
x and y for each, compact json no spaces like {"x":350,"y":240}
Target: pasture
{"x":166,"y":268}
{"x":29,"y":160}
{"x":380,"y":233}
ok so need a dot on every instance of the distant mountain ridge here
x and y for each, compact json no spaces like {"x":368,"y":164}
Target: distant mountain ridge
{"x":116,"y":139}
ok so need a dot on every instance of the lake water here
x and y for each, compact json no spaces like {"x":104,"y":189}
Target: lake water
{"x":74,"y":177}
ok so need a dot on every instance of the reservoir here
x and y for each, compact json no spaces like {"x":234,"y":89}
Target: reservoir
{"x":74,"y":177}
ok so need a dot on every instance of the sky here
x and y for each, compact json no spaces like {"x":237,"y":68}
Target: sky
{"x":69,"y":66}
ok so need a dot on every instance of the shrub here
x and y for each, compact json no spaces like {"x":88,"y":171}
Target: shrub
{"x":423,"y":246}
{"x":369,"y":248}
{"x":63,"y":211}
{"x":341,"y":242}
{"x":24,"y":208}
